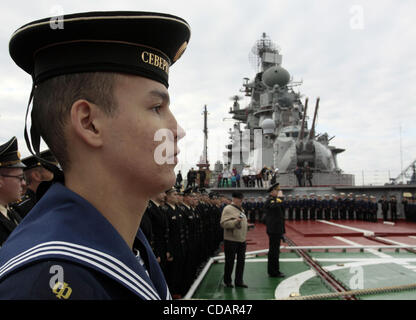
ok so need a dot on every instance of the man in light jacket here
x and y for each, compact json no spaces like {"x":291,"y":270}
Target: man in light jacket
{"x":234,"y":223}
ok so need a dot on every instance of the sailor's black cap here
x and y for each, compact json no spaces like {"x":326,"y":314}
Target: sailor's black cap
{"x":138,"y":43}
{"x":9,"y":155}
{"x":44,"y":159}
{"x":168,"y":191}
{"x":237,"y":194}
{"x":275,"y":186}
{"x":213,"y":195}
{"x":187,"y":191}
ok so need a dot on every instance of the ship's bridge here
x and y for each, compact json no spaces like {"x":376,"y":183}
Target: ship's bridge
{"x":291,"y":132}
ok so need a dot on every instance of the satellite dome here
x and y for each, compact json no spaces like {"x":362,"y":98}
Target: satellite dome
{"x":276,"y":75}
{"x":268,"y":126}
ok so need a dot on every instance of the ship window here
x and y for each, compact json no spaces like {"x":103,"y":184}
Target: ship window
{"x":295,"y":134}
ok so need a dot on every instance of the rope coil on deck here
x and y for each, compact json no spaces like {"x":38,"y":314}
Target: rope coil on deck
{"x":358,"y":292}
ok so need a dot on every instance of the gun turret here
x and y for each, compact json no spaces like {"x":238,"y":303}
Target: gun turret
{"x":312,"y":132}
{"x":302,"y":128}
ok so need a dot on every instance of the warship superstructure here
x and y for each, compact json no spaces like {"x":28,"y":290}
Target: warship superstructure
{"x":273,"y":130}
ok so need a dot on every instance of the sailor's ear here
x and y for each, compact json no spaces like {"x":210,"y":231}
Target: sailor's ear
{"x":87,"y":121}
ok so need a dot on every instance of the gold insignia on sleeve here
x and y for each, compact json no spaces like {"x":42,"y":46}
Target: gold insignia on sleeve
{"x":180,"y":51}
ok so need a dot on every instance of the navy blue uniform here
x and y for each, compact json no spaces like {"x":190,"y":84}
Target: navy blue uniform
{"x":66,"y":249}
{"x":304,"y":204}
{"x":177,"y":247}
{"x":319,"y":208}
{"x":350,"y":208}
{"x":28,"y":201}
{"x":297,"y":206}
{"x":384,"y":208}
{"x":393,"y":209}
{"x":333,"y":204}
{"x":259,"y":210}
{"x":365,"y":205}
{"x":373,"y":208}
{"x":290,"y":206}
{"x":342,"y":207}
{"x":327,"y":209}
{"x":312,"y":208}
{"x":359,"y":206}
{"x":160,"y":231}
{"x":275,"y":228}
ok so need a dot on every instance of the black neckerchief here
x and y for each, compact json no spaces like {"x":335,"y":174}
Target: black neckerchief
{"x":239,"y":209}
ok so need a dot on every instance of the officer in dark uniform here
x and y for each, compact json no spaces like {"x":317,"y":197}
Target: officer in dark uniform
{"x":373,"y":208}
{"x":297,"y":207}
{"x":177,"y":246}
{"x":326,"y":207}
{"x":285,"y":206}
{"x":406,"y":200}
{"x":342,"y":206}
{"x":160,"y":228}
{"x":312,"y":206}
{"x":411,"y":207}
{"x":358,"y":207}
{"x":199,"y":231}
{"x":99,"y":95}
{"x":146,"y":227}
{"x":219,"y":234}
{"x":305,"y":207}
{"x":12,"y":182}
{"x":245,"y":205}
{"x":350,"y":203}
{"x":319,"y":208}
{"x":213,"y":220}
{"x":333,"y":204}
{"x":275,"y":224}
{"x":251,"y":213}
{"x":202,"y":212}
{"x":384,"y":207}
{"x":290,"y":207}
{"x":190,"y":265}
{"x":393,"y":208}
{"x":259,"y":209}
{"x":36,"y":171}
{"x":365,"y":208}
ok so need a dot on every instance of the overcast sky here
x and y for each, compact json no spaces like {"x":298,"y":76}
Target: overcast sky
{"x":359,"y":57}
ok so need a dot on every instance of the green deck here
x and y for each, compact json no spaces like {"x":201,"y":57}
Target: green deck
{"x":262,"y":287}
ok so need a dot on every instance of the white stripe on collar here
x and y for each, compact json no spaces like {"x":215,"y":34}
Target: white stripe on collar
{"x":102,"y":261}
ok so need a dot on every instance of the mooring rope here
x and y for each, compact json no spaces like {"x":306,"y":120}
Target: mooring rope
{"x":358,"y":292}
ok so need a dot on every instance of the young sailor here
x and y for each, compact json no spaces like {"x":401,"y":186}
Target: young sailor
{"x":100,"y":96}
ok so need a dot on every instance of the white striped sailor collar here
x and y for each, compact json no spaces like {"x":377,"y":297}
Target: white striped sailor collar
{"x":95,"y":243}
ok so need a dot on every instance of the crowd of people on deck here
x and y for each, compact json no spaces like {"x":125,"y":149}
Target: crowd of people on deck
{"x":183,"y":229}
{"x":248,"y":177}
{"x":182,"y":225}
{"x":327,"y":207}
